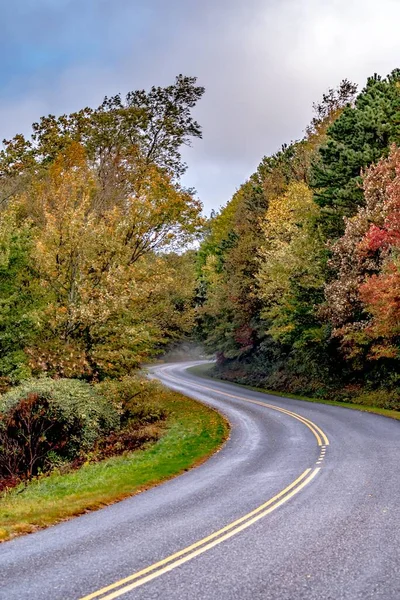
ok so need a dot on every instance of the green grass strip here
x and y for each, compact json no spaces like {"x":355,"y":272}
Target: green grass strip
{"x":205,"y":371}
{"x":192,"y":433}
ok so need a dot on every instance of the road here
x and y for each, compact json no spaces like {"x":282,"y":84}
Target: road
{"x":302,"y":502}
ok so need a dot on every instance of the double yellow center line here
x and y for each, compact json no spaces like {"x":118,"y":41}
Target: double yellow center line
{"x":320,"y":436}
{"x":179,"y":558}
{"x":173,"y":561}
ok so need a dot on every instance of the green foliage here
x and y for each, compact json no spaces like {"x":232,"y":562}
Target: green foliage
{"x":44,"y":420}
{"x":136,"y":398}
{"x":280,"y":304}
{"x":20,"y":297}
{"x":382,"y":398}
{"x":359,"y":137}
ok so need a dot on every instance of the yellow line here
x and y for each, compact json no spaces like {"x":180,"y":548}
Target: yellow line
{"x":311,"y":426}
{"x":204,"y":544}
{"x":322,"y":439}
{"x":194,"y":550}
{"x":200,"y":542}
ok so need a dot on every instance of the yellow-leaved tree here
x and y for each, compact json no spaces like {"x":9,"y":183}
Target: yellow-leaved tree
{"x":103,"y":266}
{"x":291,"y":264}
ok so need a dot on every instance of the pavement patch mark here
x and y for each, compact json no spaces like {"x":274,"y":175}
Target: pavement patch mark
{"x":173,"y":561}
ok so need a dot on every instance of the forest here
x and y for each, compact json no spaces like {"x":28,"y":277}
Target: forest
{"x":299,"y":273}
{"x":106,"y":262}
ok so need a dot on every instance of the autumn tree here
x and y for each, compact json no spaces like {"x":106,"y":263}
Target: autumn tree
{"x":123,"y":138}
{"x":102,"y":269}
{"x":291,"y":274}
{"x":362,"y":303}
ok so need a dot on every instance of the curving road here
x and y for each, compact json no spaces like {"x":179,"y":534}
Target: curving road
{"x":302,"y":502}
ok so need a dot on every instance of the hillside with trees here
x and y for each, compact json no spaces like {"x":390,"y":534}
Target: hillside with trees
{"x":299,"y":273}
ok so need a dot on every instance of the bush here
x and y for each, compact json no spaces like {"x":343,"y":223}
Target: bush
{"x":389,"y":399}
{"x":135,"y":399}
{"x":130,"y":438}
{"x":45,"y":421}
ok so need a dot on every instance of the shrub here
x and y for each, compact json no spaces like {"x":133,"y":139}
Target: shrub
{"x":382,"y":398}
{"x":135,"y":399}
{"x":130,"y":438}
{"x":45,"y":421}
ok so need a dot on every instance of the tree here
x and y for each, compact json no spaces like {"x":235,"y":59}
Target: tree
{"x":330,"y":107}
{"x":228,"y":264}
{"x":291,"y":276}
{"x":151,"y":125}
{"x":362,"y":302}
{"x":101,"y":269}
{"x":20,"y":297}
{"x":357,"y":138}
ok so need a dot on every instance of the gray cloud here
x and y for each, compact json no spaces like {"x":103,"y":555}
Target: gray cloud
{"x":263,"y":64}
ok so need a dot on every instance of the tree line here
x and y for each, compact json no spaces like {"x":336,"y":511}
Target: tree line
{"x":299,"y":273}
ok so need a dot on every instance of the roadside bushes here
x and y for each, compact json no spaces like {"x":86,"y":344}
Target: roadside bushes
{"x":137,"y":399}
{"x":62,"y":423}
{"x":46,"y":422}
{"x":381,"y":398}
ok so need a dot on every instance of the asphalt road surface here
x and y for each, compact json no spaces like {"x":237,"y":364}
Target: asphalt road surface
{"x":302,"y":502}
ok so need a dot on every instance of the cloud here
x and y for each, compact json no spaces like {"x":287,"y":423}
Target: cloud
{"x":263,"y":65}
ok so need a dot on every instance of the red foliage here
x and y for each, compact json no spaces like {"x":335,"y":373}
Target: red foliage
{"x":380,"y":292}
{"x":381,"y":295}
{"x":244,"y":336}
{"x":6,"y":483}
{"x":375,"y":238}
{"x":382,"y":238}
{"x":363,"y":303}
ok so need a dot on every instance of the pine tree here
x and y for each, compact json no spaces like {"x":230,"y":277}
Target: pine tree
{"x":359,"y":137}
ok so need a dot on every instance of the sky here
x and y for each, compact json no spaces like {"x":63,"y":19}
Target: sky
{"x":263,"y":64}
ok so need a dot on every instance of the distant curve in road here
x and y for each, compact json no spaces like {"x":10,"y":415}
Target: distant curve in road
{"x":300,"y":503}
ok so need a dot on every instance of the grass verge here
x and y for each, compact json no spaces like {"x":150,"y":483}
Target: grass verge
{"x":192,"y":433}
{"x":205,"y":372}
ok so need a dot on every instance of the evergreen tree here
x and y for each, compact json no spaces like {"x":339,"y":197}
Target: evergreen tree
{"x":360,"y":136}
